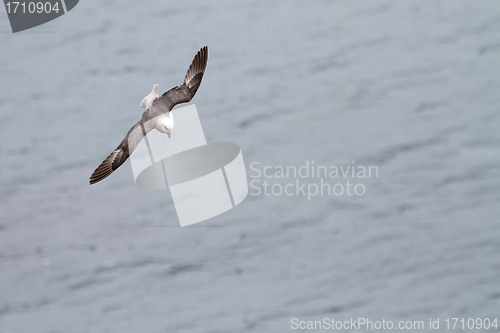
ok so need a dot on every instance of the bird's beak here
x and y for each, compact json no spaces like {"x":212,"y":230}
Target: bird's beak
{"x":168,"y":135}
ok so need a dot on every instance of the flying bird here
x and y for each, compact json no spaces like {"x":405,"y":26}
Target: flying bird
{"x":157,"y":116}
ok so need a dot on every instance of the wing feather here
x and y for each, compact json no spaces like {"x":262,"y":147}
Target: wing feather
{"x":197,"y":67}
{"x":185,"y":92}
{"x":109,"y":165}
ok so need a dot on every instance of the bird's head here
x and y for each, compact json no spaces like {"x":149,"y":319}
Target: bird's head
{"x":165,"y":123}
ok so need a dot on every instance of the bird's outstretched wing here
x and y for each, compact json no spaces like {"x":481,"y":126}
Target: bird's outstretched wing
{"x":119,"y":155}
{"x":185,"y":92}
{"x":110,"y":164}
{"x":195,"y":71}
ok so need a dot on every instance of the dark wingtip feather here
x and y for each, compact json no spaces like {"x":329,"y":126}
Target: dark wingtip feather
{"x":108,"y":166}
{"x":197,"y":66}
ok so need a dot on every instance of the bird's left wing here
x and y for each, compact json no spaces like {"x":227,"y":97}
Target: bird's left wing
{"x":185,"y":92}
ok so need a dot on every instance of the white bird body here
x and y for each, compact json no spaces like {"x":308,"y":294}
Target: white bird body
{"x":165,"y":123}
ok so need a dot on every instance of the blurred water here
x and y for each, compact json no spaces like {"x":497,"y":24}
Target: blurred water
{"x":412,"y":87}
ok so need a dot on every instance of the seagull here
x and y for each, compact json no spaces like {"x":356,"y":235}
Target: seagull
{"x":158,"y":115}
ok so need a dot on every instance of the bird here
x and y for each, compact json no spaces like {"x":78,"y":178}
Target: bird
{"x":158,"y":115}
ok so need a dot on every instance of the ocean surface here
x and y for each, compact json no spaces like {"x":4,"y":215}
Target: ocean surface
{"x":412,"y":88}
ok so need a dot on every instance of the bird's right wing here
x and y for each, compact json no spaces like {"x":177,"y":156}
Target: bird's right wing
{"x":110,"y":164}
{"x":123,"y":151}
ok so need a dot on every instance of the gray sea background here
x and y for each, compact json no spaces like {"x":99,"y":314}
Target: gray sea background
{"x":412,"y":87}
